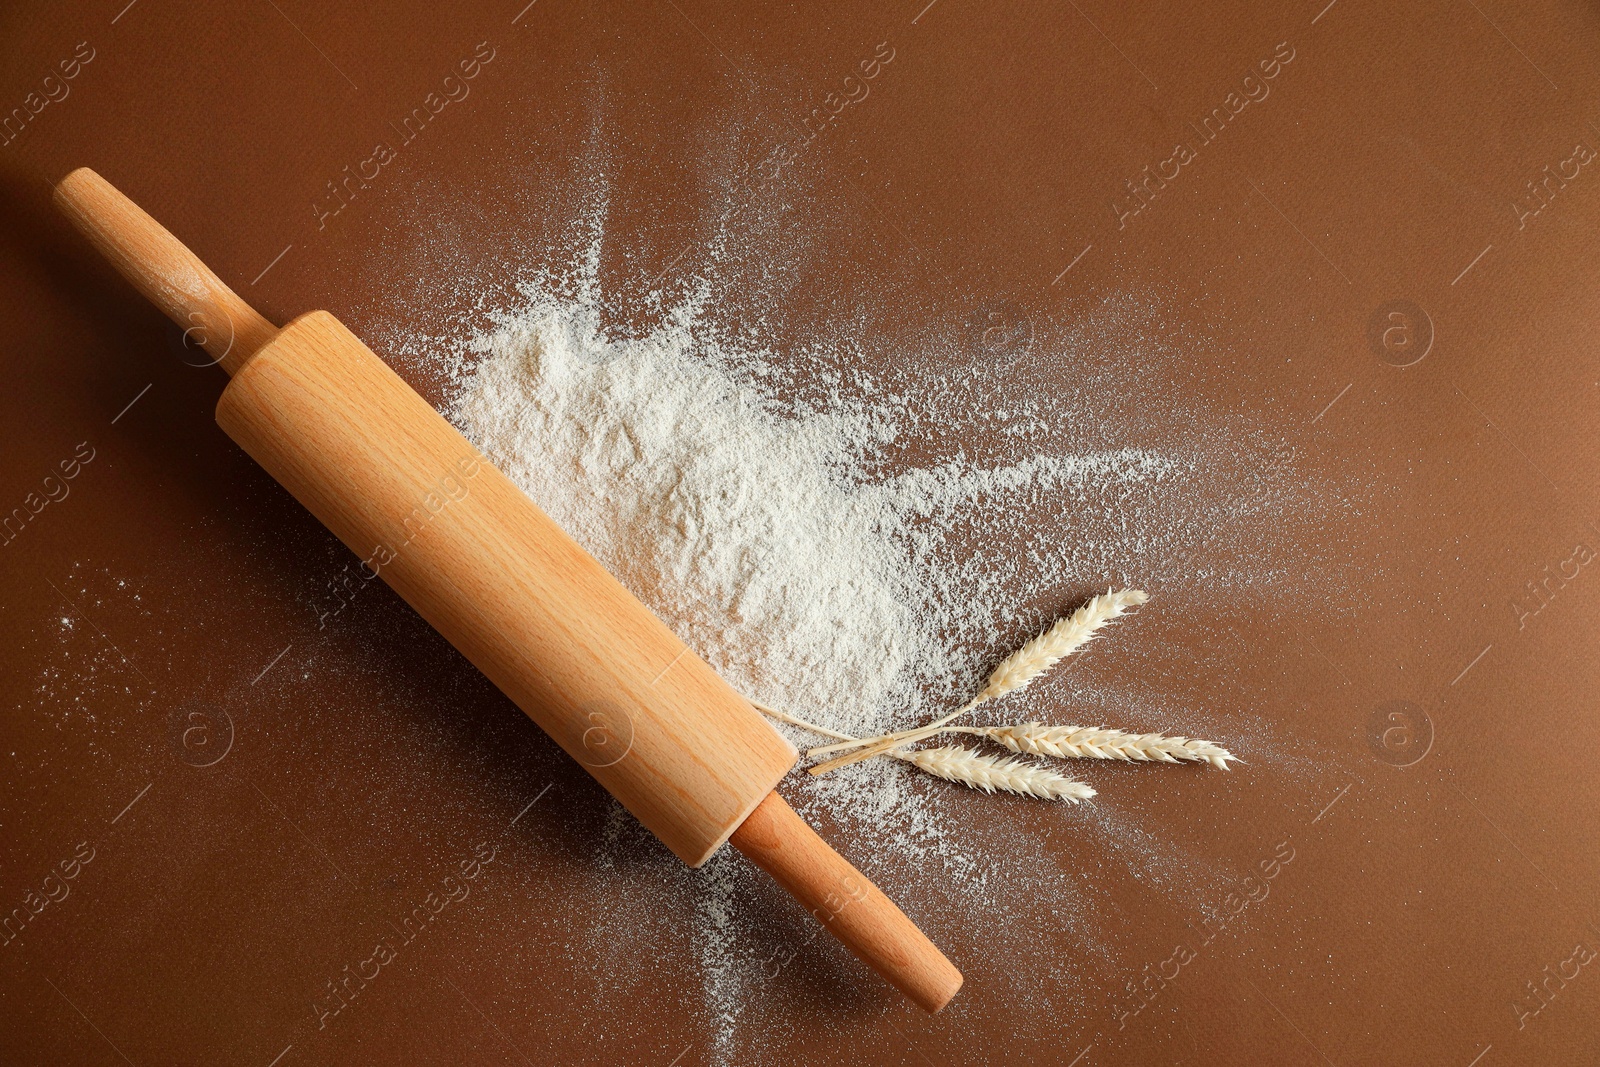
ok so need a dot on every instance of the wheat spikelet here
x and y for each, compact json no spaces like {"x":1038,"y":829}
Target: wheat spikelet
{"x":989,"y":773}
{"x":1015,"y":671}
{"x":1097,"y":742}
{"x":1065,"y":637}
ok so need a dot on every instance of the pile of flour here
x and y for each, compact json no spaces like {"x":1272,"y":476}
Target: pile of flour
{"x":747,"y":528}
{"x":781,"y":537}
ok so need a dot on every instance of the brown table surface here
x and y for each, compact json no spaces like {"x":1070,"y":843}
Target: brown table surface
{"x":1414,"y":695}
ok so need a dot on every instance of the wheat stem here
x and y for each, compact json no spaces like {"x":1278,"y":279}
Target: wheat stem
{"x":907,"y":735}
{"x":795,"y":720}
{"x":959,"y":765}
{"x":1014,"y":672}
{"x":989,"y":773}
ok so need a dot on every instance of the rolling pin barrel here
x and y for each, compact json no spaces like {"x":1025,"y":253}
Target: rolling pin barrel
{"x":464,"y":546}
{"x":583,"y":657}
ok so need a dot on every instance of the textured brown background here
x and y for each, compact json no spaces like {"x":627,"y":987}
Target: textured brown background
{"x":366,"y":759}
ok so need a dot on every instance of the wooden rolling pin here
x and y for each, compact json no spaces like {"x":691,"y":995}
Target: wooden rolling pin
{"x":537,"y":614}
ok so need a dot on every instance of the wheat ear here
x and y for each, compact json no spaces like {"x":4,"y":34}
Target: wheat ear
{"x":1015,"y":671}
{"x":1097,"y":742}
{"x":989,"y":773}
{"x":1064,"y":638}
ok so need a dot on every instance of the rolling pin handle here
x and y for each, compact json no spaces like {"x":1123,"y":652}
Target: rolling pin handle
{"x":846,"y":902}
{"x":169,"y":275}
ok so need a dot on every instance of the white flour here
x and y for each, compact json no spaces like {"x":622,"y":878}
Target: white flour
{"x":761,"y":531}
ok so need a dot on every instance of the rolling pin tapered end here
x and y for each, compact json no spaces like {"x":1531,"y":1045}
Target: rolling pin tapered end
{"x":846,"y":902}
{"x":170,"y":276}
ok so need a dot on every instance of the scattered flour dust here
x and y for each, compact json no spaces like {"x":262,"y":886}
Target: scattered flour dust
{"x":786,"y":537}
{"x":861,"y":547}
